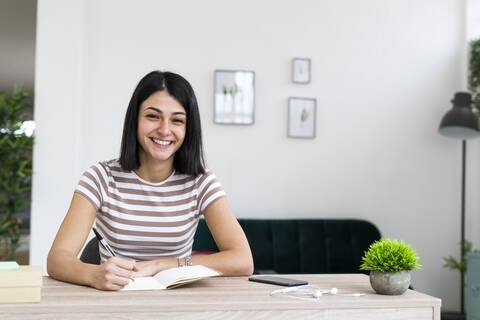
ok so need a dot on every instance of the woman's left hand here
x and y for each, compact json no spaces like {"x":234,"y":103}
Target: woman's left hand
{"x":151,"y":268}
{"x":146,"y":269}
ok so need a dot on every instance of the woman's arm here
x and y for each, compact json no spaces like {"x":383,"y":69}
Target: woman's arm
{"x":62,"y":261}
{"x":235,"y":257}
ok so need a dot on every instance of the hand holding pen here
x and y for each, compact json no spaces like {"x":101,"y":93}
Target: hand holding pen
{"x":115,"y":269}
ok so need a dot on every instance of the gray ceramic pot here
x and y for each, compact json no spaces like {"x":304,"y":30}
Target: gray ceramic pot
{"x":391,"y":283}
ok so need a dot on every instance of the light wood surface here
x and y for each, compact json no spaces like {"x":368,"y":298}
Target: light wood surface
{"x":225,"y":298}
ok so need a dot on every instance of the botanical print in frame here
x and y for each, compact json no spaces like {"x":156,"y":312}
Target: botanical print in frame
{"x":301,"y":70}
{"x":234,"y":97}
{"x":301,"y":117}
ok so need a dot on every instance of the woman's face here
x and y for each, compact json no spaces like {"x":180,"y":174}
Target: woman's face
{"x":161,"y":127}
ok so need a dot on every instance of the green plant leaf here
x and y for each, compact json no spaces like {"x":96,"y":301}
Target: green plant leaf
{"x":15,"y":162}
{"x":474,"y":73}
{"x":387,"y":255}
{"x":461,"y":264}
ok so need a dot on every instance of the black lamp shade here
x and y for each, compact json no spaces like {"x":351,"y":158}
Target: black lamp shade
{"x":460,"y":122}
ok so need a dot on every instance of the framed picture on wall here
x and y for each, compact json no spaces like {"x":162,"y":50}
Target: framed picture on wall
{"x":234,"y":97}
{"x":301,"y":70}
{"x":301,"y":117}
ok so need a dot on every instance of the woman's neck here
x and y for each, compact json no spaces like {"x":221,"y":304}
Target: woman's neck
{"x":155,"y":171}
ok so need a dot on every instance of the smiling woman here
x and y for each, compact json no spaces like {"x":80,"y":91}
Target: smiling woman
{"x":147,"y":203}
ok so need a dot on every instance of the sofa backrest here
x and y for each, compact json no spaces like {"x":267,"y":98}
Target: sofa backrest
{"x":301,"y":245}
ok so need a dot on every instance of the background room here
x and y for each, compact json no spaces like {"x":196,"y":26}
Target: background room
{"x":382,"y":74}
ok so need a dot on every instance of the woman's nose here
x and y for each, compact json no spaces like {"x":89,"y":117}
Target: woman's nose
{"x":163,"y":128}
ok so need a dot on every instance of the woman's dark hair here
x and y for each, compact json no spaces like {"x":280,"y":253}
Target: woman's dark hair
{"x":189,"y":157}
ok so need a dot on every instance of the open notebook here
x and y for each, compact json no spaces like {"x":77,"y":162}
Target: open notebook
{"x":171,"y":278}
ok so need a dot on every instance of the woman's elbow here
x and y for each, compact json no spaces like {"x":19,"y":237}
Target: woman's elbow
{"x":246,"y":266}
{"x":54,"y":263}
{"x":50,"y":264}
{"x":249,"y":268}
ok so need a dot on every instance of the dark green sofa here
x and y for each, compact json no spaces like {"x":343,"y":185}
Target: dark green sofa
{"x":290,"y":246}
{"x":301,"y":245}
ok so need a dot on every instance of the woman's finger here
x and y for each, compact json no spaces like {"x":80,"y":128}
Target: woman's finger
{"x":120,"y":281}
{"x":113,"y":287}
{"x":124,"y":273}
{"x":123,"y":263}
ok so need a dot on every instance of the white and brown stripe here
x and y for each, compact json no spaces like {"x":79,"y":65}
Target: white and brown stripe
{"x":143,"y":220}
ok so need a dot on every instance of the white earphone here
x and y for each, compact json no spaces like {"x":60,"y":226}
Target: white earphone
{"x":303,"y":292}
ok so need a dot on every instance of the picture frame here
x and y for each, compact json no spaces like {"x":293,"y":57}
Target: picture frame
{"x":301,"y":70}
{"x":302,"y":114}
{"x":234,"y":97}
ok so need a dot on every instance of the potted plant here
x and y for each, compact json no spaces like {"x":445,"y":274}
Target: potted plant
{"x":15,"y":168}
{"x":390,"y":263}
{"x":461,"y":265}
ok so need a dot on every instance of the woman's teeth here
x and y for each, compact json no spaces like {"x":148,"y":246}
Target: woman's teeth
{"x":161,"y":142}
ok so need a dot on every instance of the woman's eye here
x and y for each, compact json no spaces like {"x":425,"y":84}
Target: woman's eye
{"x":152,"y":116}
{"x":178,"y":120}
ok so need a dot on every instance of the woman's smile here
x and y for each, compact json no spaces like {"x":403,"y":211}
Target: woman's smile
{"x":162,"y":143}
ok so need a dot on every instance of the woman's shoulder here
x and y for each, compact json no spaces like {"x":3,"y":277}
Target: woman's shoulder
{"x":207,"y":176}
{"x":108,"y":167}
{"x":112,"y":165}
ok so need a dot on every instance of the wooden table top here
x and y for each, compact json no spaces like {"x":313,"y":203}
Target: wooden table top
{"x":220,"y":297}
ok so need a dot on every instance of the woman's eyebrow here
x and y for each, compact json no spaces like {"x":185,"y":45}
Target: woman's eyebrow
{"x":160,"y":111}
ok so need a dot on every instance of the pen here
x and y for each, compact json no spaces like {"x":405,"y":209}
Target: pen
{"x":103,"y":242}
{"x":105,"y":245}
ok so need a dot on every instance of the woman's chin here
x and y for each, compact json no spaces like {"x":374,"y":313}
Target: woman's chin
{"x":164,"y":156}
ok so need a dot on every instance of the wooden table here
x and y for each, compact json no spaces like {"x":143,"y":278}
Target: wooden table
{"x":225,"y":298}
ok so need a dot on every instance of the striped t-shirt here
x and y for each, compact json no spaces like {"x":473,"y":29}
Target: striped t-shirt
{"x":143,"y":220}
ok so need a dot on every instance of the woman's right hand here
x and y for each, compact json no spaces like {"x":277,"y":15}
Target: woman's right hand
{"x":114,"y":274}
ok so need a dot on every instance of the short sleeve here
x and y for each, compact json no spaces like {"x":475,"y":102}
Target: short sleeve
{"x":209,"y":190}
{"x":92,"y":185}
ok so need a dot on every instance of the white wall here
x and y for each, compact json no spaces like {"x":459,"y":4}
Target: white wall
{"x":383,"y":73}
{"x":58,"y":104}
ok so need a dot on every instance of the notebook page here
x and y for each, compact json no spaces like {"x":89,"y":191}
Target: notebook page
{"x":143,"y":283}
{"x":183,"y":274}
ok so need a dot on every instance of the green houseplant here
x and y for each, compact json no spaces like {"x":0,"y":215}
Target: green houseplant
{"x":15,"y":168}
{"x":474,"y":73}
{"x":461,"y":265}
{"x":390,"y":263}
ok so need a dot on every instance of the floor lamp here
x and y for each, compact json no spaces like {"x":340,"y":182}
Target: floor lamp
{"x":461,"y":123}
